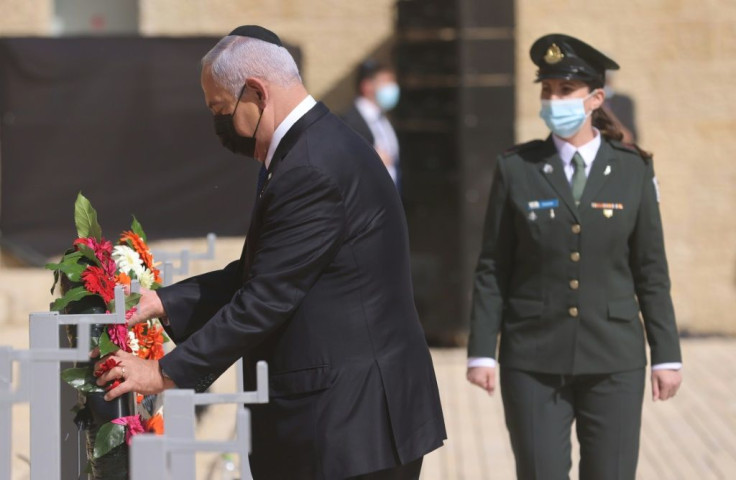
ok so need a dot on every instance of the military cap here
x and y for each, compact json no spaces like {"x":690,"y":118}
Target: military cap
{"x":258,"y":32}
{"x":563,"y":56}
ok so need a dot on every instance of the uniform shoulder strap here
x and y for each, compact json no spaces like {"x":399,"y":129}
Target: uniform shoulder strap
{"x":632,"y":149}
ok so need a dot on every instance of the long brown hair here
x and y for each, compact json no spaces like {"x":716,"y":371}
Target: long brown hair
{"x":610,"y":127}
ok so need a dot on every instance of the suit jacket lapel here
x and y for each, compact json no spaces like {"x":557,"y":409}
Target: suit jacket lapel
{"x":552,"y":170}
{"x":599,"y":173}
{"x":294,"y":133}
{"x":285,"y":145}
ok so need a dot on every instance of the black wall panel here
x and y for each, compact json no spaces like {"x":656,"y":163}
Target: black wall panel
{"x":455,"y":63}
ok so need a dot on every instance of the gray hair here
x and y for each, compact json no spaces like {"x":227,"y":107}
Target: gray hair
{"x":236,"y":58}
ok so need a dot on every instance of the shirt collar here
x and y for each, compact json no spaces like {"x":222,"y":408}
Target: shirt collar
{"x":298,"y":112}
{"x":588,"y":151}
{"x":368,"y":109}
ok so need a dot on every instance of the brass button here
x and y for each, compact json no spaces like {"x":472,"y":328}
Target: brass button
{"x":574,"y":284}
{"x":576,"y":228}
{"x":575,"y":256}
{"x":573,"y":311}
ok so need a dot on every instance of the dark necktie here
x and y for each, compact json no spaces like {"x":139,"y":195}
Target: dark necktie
{"x":262,"y":176}
{"x":578,"y":177}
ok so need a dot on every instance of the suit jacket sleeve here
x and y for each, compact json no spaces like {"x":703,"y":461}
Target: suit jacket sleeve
{"x":303,"y":223}
{"x":189,"y":304}
{"x":651,"y":277}
{"x":493,"y":270}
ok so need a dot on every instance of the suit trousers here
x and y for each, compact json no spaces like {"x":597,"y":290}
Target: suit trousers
{"x":409,"y":471}
{"x":541,"y":408}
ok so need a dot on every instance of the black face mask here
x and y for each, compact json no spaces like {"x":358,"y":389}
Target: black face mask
{"x":230,"y":138}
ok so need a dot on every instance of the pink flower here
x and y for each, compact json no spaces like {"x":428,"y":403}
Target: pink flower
{"x":119,"y":336}
{"x":103,"y":252}
{"x":132,"y":424}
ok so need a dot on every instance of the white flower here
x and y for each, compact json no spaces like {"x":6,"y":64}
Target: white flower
{"x":145,"y":277}
{"x":133,"y":342}
{"x":126,"y":259}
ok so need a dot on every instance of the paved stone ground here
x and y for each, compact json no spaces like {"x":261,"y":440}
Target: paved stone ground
{"x":691,"y":437}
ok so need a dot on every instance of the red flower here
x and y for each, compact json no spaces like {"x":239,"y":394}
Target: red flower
{"x":96,"y":280}
{"x":114,"y":384}
{"x":106,"y":366}
{"x":132,"y":426}
{"x":119,"y":336}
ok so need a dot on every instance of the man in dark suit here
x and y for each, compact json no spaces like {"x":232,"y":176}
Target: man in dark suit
{"x":377,"y":94}
{"x":621,"y":107}
{"x":322,"y":291}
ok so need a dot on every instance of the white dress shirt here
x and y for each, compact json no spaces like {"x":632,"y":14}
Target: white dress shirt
{"x":384,"y":136}
{"x":298,"y":112}
{"x":566,"y":151}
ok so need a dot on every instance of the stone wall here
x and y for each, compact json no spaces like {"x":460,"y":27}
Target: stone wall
{"x":678,"y":61}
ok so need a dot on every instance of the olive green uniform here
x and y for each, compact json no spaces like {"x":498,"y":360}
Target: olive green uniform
{"x":564,"y":285}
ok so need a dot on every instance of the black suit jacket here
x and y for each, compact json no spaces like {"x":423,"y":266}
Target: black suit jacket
{"x":323,"y":293}
{"x":356,"y":121}
{"x":565,"y":285}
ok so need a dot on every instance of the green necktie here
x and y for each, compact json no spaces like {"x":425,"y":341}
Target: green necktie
{"x":578,"y":177}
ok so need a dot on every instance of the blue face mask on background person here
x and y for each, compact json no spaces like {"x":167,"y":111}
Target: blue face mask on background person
{"x":565,"y":117}
{"x":387,"y":96}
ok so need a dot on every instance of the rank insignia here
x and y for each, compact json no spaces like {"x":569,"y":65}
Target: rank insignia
{"x":553,"y":55}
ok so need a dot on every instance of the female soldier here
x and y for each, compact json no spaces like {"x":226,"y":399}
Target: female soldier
{"x":572,"y":253}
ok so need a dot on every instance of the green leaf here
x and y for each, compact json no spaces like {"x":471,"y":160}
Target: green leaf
{"x":75,"y":376}
{"x":56,"y":280}
{"x":109,"y":436}
{"x":136,"y":227}
{"x":106,"y":345}
{"x":70,"y":265}
{"x":85,"y":218}
{"x":89,"y":254}
{"x":82,"y":379}
{"x":76,"y":293}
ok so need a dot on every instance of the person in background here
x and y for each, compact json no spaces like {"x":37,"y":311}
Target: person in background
{"x":620,"y":107}
{"x":572,"y":254}
{"x":377,"y":94}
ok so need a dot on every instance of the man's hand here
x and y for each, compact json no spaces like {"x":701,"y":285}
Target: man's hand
{"x":135,"y":375}
{"x":665,"y":384}
{"x":149,"y":306}
{"x":484,"y":377}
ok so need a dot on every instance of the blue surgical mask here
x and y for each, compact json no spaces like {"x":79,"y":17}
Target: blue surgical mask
{"x":565,"y":117}
{"x":387,"y":96}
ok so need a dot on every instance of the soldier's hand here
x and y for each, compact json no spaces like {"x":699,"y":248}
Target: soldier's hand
{"x":484,"y":377}
{"x":665,"y":384}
